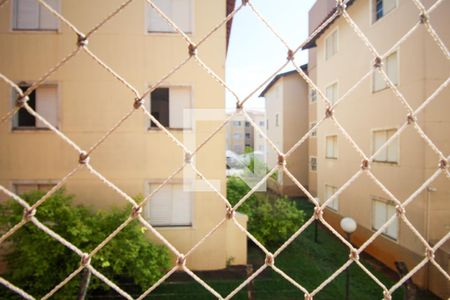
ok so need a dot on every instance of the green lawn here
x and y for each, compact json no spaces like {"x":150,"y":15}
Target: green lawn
{"x":306,"y":261}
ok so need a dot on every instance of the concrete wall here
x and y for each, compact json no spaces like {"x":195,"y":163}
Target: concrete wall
{"x":422,"y":68}
{"x":91,"y":101}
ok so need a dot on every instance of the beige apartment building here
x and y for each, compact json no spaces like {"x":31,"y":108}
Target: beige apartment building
{"x":371,"y":114}
{"x":240,"y":134}
{"x":84,"y":101}
{"x":286,"y":98}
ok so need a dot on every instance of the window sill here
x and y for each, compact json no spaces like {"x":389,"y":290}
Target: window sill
{"x":166,"y":33}
{"x":334,"y":158}
{"x":31,"y":129}
{"x":156,"y":129}
{"x":176,"y":227}
{"x":391,"y":163}
{"x":395,"y":240}
{"x":383,"y":89}
{"x":49,"y":31}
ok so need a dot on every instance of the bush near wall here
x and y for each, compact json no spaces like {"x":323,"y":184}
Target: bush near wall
{"x":271,"y":220}
{"x":37,"y":263}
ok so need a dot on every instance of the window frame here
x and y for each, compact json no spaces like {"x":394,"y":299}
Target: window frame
{"x":169,"y":33}
{"x":312,"y":95}
{"x":13,"y":94}
{"x":310,"y":164}
{"x":335,"y":30}
{"x":372,"y":7}
{"x":38,"y":182}
{"x":375,"y":72}
{"x":330,"y":206}
{"x":336,"y":148}
{"x":175,"y":181}
{"x":314,"y":132}
{"x":149,"y":103}
{"x":372,"y":216}
{"x":397,"y":142}
{"x":13,"y":20}
{"x":335,"y":82}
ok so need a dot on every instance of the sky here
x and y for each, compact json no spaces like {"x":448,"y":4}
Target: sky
{"x":254,"y":52}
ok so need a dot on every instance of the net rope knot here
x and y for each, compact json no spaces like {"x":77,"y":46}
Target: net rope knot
{"x":83,"y":158}
{"x":281,"y":160}
{"x":188,"y":157}
{"x":239,"y":107}
{"x":340,"y":7}
{"x":138,"y":103}
{"x":365,"y":164}
{"x":229,"y":213}
{"x":378,"y":63}
{"x":290,"y":55}
{"x":28,"y":214}
{"x":443,"y":164}
{"x":181,"y":260}
{"x":410,"y":119}
{"x":245,"y":2}
{"x":308,"y":296}
{"x":387,"y":295}
{"x":136,"y":211}
{"x":318,"y":213}
{"x":429,"y":253}
{"x":354,"y":255}
{"x":82,"y":41}
{"x":328,"y":112}
{"x":192,"y":49}
{"x":21,"y":99}
{"x":423,"y":17}
{"x":400,"y":211}
{"x":269,"y":259}
{"x":85,"y":260}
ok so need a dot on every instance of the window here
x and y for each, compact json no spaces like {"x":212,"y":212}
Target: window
{"x":21,"y":188}
{"x":314,"y":132}
{"x":313,"y":163}
{"x":30,"y":15}
{"x":331,"y":44}
{"x":330,"y":191}
{"x":382,"y":211}
{"x":390,"y":152}
{"x":261,"y":123}
{"x":276,"y":120}
{"x":237,"y":135}
{"x":170,"y":206}
{"x":44,"y":101}
{"x":238,"y":149}
{"x":332,"y":92}
{"x":237,"y":123}
{"x":247,"y":124}
{"x":267,"y":124}
{"x":247,"y":135}
{"x":390,"y":66}
{"x":331,"y":146}
{"x":169,"y":105}
{"x":313,"y":95}
{"x":382,"y":8}
{"x":179,"y":11}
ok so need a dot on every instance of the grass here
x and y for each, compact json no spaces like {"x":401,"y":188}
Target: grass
{"x":307,"y":262}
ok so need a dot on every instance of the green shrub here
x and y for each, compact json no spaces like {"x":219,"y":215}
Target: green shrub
{"x":271,"y":220}
{"x":37,"y":263}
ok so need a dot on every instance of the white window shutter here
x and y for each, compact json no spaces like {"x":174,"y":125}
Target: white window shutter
{"x":47,"y":19}
{"x":392,"y":148}
{"x":330,"y":146}
{"x":161,"y":206}
{"x":181,"y":208}
{"x":156,"y":23}
{"x":47,"y":105}
{"x":392,"y":229}
{"x":392,"y":68}
{"x":388,"y":5}
{"x":179,"y":101}
{"x":379,"y":214}
{"x":181,"y":13}
{"x":26,"y":14}
{"x":379,"y":138}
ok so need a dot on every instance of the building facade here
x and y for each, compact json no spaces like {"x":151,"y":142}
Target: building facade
{"x":286,"y":98}
{"x":371,"y":114}
{"x":84,"y":101}
{"x":241,"y":135}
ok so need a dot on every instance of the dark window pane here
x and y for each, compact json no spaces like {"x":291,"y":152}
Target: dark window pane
{"x":25,"y":119}
{"x":379,"y":7}
{"x":160,"y":106}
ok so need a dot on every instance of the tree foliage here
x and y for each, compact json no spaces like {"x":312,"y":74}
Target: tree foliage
{"x":37,"y":263}
{"x":271,"y":220}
